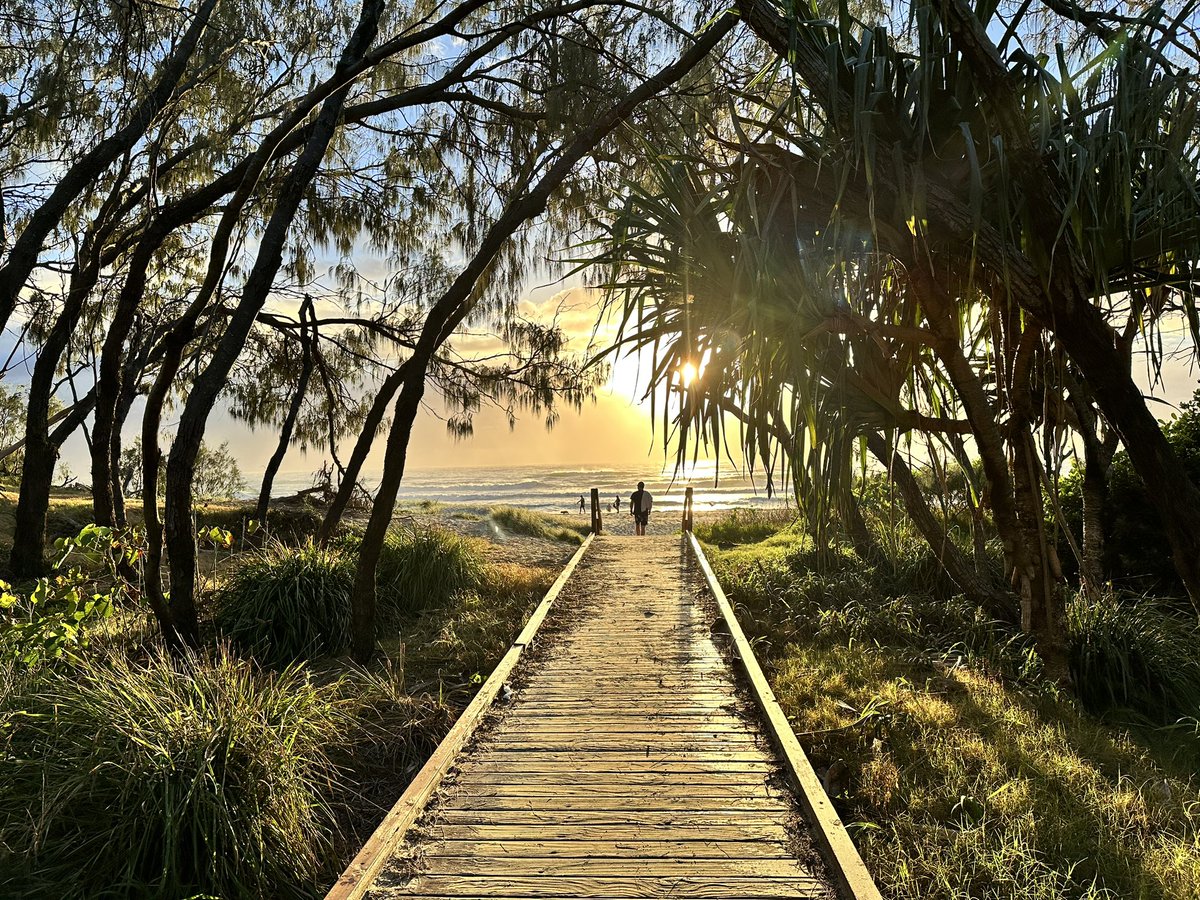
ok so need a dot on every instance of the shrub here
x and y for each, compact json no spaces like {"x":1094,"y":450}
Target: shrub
{"x":425,"y":566}
{"x":1134,"y":655}
{"x":167,"y":778}
{"x":289,"y":603}
{"x":536,"y":524}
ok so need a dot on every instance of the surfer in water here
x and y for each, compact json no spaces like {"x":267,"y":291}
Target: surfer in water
{"x":640,"y":504}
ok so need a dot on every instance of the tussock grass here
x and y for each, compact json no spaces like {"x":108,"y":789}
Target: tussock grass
{"x":167,"y":777}
{"x":426,"y":566}
{"x":1135,"y":655}
{"x":288,"y":603}
{"x":745,"y":526}
{"x":537,"y":524}
{"x":960,"y":771}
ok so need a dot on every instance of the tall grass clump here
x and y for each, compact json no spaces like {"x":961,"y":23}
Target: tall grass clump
{"x":289,"y":603}
{"x":422,"y":567}
{"x":744,"y":526}
{"x":1134,"y":655}
{"x":536,"y":524}
{"x":168,"y":778}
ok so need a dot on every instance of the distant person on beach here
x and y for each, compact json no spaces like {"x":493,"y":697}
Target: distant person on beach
{"x":617,"y":501}
{"x":581,"y":504}
{"x":640,"y":504}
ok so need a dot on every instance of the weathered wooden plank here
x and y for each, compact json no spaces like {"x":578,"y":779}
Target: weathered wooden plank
{"x":630,"y":725}
{"x":739,"y":830}
{"x":666,"y":819}
{"x":616,"y":778}
{"x":433,"y":863}
{"x":632,"y":795}
{"x":633,"y":888}
{"x":648,"y":754}
{"x":751,"y":847}
{"x":633,"y":769}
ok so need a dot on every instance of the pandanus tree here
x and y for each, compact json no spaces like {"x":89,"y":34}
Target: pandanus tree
{"x":974,"y":221}
{"x":983,"y":169}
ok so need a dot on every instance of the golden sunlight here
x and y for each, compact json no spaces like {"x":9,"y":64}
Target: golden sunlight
{"x":688,"y":373}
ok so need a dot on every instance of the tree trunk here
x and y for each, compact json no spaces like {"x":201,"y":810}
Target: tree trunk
{"x":358,"y":456}
{"x":969,"y":580}
{"x":27,"y":559}
{"x":1043,"y":607}
{"x":151,"y":454}
{"x":363,"y":598}
{"x":289,"y":421}
{"x":861,"y":539}
{"x":124,"y":405}
{"x":109,"y":379}
{"x":181,"y":464}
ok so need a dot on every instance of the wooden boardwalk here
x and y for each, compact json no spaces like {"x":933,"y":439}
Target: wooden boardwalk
{"x":623,"y":759}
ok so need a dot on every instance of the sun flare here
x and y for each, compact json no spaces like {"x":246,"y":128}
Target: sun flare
{"x":687,"y":373}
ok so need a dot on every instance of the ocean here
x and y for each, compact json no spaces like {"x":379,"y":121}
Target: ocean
{"x":558,"y":488}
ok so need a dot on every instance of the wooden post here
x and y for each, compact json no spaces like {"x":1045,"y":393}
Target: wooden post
{"x":687,"y":510}
{"x":597,"y":523}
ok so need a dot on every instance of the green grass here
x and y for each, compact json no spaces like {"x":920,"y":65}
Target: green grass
{"x":163,"y":777}
{"x":966,"y":776}
{"x":537,"y":524}
{"x":287,"y":603}
{"x":745,"y":526}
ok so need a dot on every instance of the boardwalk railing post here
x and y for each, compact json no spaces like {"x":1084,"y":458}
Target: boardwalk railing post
{"x":687,"y":510}
{"x":597,"y":524}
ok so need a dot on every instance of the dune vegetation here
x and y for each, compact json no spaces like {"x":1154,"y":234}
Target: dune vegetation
{"x":961,"y":770}
{"x":258,"y":764}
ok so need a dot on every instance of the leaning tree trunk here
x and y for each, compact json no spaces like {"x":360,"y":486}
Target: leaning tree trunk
{"x":129,"y":390}
{"x":861,"y":539}
{"x":181,"y":464}
{"x":363,"y":598}
{"x":289,"y":421}
{"x":27,"y":559}
{"x":969,"y":580}
{"x":110,"y":378}
{"x":358,"y":456}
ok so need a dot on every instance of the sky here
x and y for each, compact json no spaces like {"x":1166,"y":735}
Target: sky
{"x":613,"y":430}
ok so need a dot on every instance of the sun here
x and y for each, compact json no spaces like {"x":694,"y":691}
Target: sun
{"x":688,"y":373}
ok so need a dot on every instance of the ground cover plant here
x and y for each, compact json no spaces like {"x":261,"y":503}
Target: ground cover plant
{"x":239,"y":770}
{"x":537,"y":524}
{"x":961,"y":770}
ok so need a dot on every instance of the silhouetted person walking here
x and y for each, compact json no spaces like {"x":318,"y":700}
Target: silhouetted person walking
{"x":581,"y":504}
{"x":640,"y":504}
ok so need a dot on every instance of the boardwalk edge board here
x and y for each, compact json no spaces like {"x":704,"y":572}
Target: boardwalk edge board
{"x":356,"y":880}
{"x":847,"y":867}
